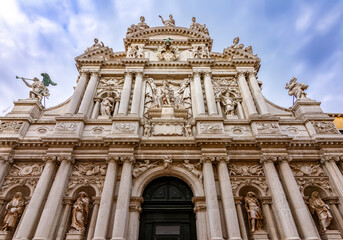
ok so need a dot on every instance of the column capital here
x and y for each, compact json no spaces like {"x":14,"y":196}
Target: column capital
{"x":209,"y":159}
{"x":196,"y":74}
{"x":50,"y":158}
{"x":238,"y":200}
{"x":139,"y":73}
{"x":95,"y":73}
{"x":328,"y":158}
{"x":112,"y":158}
{"x":130,"y":159}
{"x":266,"y":200}
{"x":241,"y":74}
{"x":67,"y":201}
{"x":83,"y":72}
{"x":284,"y":159}
{"x":8,"y":158}
{"x":331,"y":200}
{"x":251,"y":73}
{"x":96,"y":200}
{"x":67,"y":158}
{"x":266,"y":159}
{"x":199,"y":204}
{"x":128,"y":73}
{"x":225,"y":159}
{"x":207,"y":73}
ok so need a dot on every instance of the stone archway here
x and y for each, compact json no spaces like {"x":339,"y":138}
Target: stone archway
{"x":167,"y":211}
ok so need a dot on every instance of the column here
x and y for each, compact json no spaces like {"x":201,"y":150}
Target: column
{"x":211,"y":102}
{"x":92,"y":222}
{"x":137,"y":93}
{"x":125,"y":94}
{"x":5,"y":162}
{"x":246,"y":94}
{"x":266,"y":202}
{"x":198,"y":94}
{"x":334,"y":174}
{"x":240,"y":111}
{"x":307,"y":228}
{"x":211,"y":199}
{"x":101,"y":227}
{"x":68,"y":202}
{"x":135,"y":210}
{"x":46,"y":225}
{"x":123,"y":201}
{"x":200,"y":215}
{"x":80,"y":87}
{"x":243,"y":228}
{"x":229,"y":207}
{"x":335,"y":212}
{"x":256,"y":92}
{"x":33,"y":209}
{"x":96,"y":109}
{"x":279,"y":199}
{"x":89,"y":93}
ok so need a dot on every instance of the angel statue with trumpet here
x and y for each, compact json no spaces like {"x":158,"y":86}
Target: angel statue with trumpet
{"x":39,"y":88}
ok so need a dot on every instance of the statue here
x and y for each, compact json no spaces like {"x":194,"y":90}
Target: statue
{"x":142,"y":167}
{"x":197,"y":26}
{"x":253,"y":208}
{"x":165,"y":95}
{"x":39,"y":88}
{"x":185,"y":93}
{"x":236,"y":45}
{"x":80,"y":213}
{"x":13,"y":212}
{"x":147,"y":129}
{"x":318,"y":206}
{"x":106,"y":106}
{"x":167,"y":162}
{"x":167,"y":51}
{"x":131,"y":52}
{"x":96,"y":45}
{"x":168,"y":23}
{"x":140,"y":52}
{"x":296,"y":89}
{"x":140,"y":26}
{"x":188,"y":130}
{"x":190,"y":167}
{"x":204,"y":52}
{"x":228,"y":102}
{"x":151,"y":94}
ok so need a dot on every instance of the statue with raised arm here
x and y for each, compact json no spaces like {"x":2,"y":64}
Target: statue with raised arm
{"x":80,"y":213}
{"x":296,"y":89}
{"x":13,"y":212}
{"x":318,"y":206}
{"x":253,"y":208}
{"x":106,"y":106}
{"x":39,"y":88}
{"x":169,"y":22}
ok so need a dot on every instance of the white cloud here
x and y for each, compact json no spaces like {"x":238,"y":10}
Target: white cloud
{"x":305,"y":19}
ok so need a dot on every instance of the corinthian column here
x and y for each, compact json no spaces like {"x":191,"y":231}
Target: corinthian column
{"x":283,"y":211}
{"x":53,"y":205}
{"x":5,"y":163}
{"x":246,"y":94}
{"x":106,"y":201}
{"x":230,"y":213}
{"x":89,"y":93}
{"x":198,"y":94}
{"x":212,"y":206}
{"x":125,"y":94}
{"x":137,"y":93}
{"x":308,"y":229}
{"x":123,"y":201}
{"x":210,"y":99}
{"x":32,"y":211}
{"x":135,"y":210}
{"x":80,"y":88}
{"x":256,"y":92}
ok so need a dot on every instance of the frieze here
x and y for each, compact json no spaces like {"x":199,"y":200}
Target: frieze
{"x":66,"y":127}
{"x":267,"y":128}
{"x":236,"y":183}
{"x":211,"y":128}
{"x":195,"y":169}
{"x":25,"y":170}
{"x":10,"y":127}
{"x":90,"y":169}
{"x":75,"y":182}
{"x":324,"y":127}
{"x":306,"y":169}
{"x":245,"y":170}
{"x":140,"y":167}
{"x":124,"y":128}
{"x":167,"y":129}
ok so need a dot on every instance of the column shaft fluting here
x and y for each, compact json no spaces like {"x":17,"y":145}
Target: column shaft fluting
{"x":125,"y":94}
{"x":279,"y":200}
{"x":230,"y":213}
{"x":89,"y":94}
{"x":256,"y":92}
{"x":33,"y":209}
{"x":136,"y":98}
{"x":199,"y":97}
{"x":246,"y":94}
{"x":210,"y":99}
{"x":212,"y":206}
{"x":4,"y":168}
{"x":76,"y":98}
{"x":106,"y":201}
{"x":123,"y":202}
{"x":54,"y":202}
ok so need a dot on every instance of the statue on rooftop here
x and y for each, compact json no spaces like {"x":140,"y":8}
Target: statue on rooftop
{"x":296,"y":89}
{"x":197,"y":26}
{"x":140,"y":26}
{"x":236,"y":44}
{"x":96,"y":45}
{"x":169,"y":22}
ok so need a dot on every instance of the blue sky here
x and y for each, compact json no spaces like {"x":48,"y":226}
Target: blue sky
{"x":293,"y":38}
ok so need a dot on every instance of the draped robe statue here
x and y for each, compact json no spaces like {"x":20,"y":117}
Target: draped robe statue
{"x":14,"y":210}
{"x":80,"y":213}
{"x":318,"y":206}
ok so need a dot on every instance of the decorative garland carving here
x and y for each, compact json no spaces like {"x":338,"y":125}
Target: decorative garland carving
{"x":324,"y":127}
{"x":236,"y":183}
{"x":140,"y":167}
{"x":245,"y":170}
{"x":302,"y":169}
{"x":26,"y":170}
{"x":10,"y":127}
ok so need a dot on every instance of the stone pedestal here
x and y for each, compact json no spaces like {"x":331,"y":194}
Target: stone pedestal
{"x":331,"y":235}
{"x":75,"y":236}
{"x":258,"y":235}
{"x":6,"y":235}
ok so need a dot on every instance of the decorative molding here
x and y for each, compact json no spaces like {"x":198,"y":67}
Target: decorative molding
{"x":10,"y":127}
{"x":325,"y":127}
{"x":241,"y":169}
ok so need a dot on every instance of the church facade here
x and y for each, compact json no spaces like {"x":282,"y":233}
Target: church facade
{"x":169,"y":140}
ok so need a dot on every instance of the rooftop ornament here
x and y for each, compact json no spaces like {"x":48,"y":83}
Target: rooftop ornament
{"x":296,"y":89}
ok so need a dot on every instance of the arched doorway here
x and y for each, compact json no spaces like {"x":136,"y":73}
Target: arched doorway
{"x":167,"y":211}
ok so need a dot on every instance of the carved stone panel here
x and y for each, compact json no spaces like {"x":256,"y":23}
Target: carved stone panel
{"x":246,"y":170}
{"x":267,"y":128}
{"x":67,"y":128}
{"x":9,"y":127}
{"x":167,"y":129}
{"x":210,"y":128}
{"x":324,"y":127}
{"x":124,"y":127}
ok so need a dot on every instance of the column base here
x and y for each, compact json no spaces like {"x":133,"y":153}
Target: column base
{"x":259,"y":235}
{"x":6,"y":235}
{"x":117,"y":238}
{"x":331,"y":235}
{"x":75,"y":236}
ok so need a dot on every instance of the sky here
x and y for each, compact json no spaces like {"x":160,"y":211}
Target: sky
{"x":296,"y":38}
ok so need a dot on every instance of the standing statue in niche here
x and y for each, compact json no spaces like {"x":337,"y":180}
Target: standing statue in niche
{"x":106,"y":107}
{"x":253,"y":208}
{"x":318,"y":206}
{"x":185,"y":94}
{"x":228,"y":102}
{"x":296,"y":89}
{"x":13,"y":212}
{"x":80,"y":213}
{"x":169,"y":22}
{"x":166,"y":94}
{"x":150,"y":94}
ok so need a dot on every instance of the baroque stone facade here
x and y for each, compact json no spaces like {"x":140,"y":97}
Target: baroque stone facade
{"x":169,"y":124}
